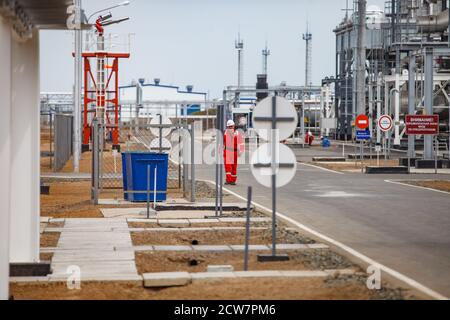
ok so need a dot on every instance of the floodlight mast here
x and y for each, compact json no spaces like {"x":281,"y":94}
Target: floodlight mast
{"x":101,"y":22}
{"x":101,"y":100}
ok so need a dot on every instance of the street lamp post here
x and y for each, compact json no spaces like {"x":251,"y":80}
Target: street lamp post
{"x":122,"y":4}
{"x":78,"y":76}
{"x":77,"y":88}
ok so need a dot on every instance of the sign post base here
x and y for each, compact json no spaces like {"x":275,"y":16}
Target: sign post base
{"x":273,"y":258}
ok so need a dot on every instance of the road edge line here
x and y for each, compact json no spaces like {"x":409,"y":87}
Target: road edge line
{"x":413,"y":186}
{"x":321,"y":168}
{"x":393,"y":273}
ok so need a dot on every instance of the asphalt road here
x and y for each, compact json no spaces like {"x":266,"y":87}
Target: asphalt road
{"x":401,"y":227}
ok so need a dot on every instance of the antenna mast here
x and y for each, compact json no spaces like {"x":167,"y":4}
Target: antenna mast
{"x":308,"y":65}
{"x":265,"y":54}
{"x":239,"y":45}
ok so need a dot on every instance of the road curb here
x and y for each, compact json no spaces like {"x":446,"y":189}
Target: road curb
{"x":393,"y":276}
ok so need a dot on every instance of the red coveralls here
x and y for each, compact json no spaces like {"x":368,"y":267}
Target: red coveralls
{"x":233,"y":145}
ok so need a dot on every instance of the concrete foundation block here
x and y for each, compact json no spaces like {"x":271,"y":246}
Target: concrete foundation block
{"x":386,"y":170}
{"x":173,"y":223}
{"x":340,"y":272}
{"x":328,"y":159}
{"x":257,"y":274}
{"x":306,"y":274}
{"x":212,"y":248}
{"x":291,"y":246}
{"x":250,"y":247}
{"x":211,"y":220}
{"x":212,"y":275}
{"x":224,"y":268}
{"x":356,"y":156}
{"x":317,"y":246}
{"x":404,"y":162}
{"x":172,"y":248}
{"x":166,"y":279}
{"x":41,"y":269}
{"x":28,"y":279}
{"x":273,"y":258}
{"x":430,"y":164}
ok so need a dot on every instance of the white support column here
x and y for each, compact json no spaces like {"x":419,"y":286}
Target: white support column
{"x":378,"y":108}
{"x":25,"y":138}
{"x":428,"y":150}
{"x":5,"y":154}
{"x":397,"y":111}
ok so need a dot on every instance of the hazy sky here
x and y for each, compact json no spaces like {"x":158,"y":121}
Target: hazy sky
{"x":192,"y":41}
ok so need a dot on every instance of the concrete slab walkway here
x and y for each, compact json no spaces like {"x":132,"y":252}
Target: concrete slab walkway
{"x":90,"y":245}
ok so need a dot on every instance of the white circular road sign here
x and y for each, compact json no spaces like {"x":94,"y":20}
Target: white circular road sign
{"x":157,"y":121}
{"x":385,"y":123}
{"x":285,"y":164}
{"x":166,"y":145}
{"x":286,"y":118}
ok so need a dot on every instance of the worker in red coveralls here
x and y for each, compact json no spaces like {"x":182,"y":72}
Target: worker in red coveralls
{"x":309,"y":139}
{"x":233,"y":147}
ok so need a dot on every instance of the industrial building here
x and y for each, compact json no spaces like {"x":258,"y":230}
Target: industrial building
{"x":118,"y":192}
{"x":407,"y":69}
{"x":157,"y":98}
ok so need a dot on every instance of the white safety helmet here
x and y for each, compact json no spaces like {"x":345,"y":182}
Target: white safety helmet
{"x":230,"y":123}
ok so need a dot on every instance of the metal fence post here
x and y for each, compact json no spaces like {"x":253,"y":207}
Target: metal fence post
{"x":95,"y":161}
{"x":148,"y":191}
{"x":221,"y":160}
{"x":179,"y":159}
{"x":247,"y":227}
{"x":192,"y":163}
{"x":52,"y":154}
{"x":218,"y":155}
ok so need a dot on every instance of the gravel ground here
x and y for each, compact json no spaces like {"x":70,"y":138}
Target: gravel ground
{"x":385,"y":293}
{"x":204,"y":191}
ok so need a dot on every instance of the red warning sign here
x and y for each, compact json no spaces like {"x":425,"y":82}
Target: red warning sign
{"x":422,"y":125}
{"x":362,"y":121}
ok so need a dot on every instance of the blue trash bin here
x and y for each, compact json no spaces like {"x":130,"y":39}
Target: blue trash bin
{"x":326,"y":143}
{"x":135,"y":178}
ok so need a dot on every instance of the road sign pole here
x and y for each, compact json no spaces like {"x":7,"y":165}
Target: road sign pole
{"x":378,"y":158}
{"x":436,"y":148}
{"x":148,"y":192}
{"x":274,"y":176}
{"x":409,"y":162}
{"x":385,"y":147}
{"x":362,"y":156}
{"x":266,"y":118}
{"x":247,"y":227}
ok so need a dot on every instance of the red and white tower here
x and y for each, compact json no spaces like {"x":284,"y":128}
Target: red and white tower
{"x":102,"y":91}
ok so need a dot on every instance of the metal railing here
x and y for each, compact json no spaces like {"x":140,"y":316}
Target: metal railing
{"x":107,"y":167}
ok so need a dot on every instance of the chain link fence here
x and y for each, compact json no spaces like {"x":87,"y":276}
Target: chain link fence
{"x":63,"y":140}
{"x":141,"y":137}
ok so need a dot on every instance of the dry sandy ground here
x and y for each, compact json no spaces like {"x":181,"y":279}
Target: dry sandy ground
{"x":213,"y":237}
{"x":231,"y":289}
{"x":48,"y":240}
{"x":69,"y":200}
{"x":73,"y":200}
{"x":442,"y":185}
{"x":151,"y":261}
{"x":150,"y":225}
